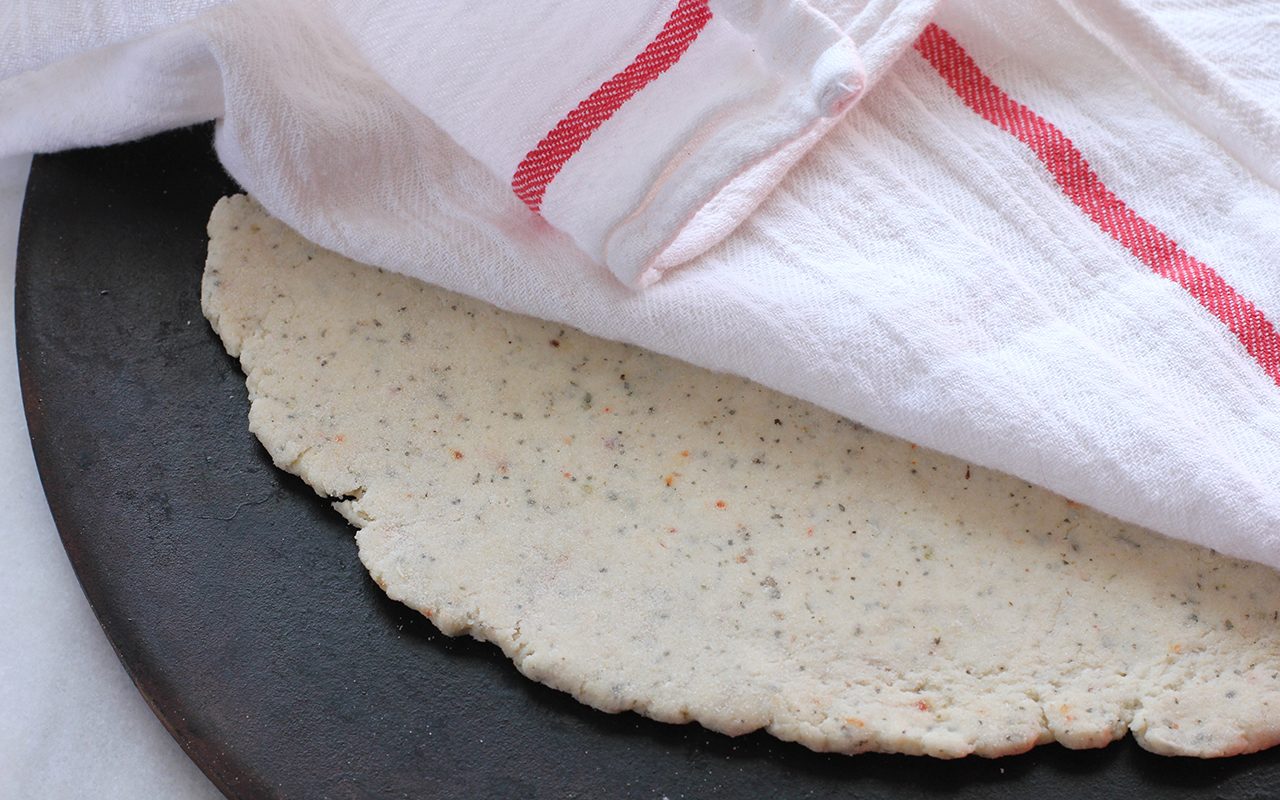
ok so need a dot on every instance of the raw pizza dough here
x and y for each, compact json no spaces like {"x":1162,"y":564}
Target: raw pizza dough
{"x":651,"y":536}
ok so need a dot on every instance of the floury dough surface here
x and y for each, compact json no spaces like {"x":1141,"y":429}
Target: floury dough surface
{"x":651,"y":536}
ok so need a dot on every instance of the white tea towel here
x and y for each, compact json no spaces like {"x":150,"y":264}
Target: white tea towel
{"x":1045,"y":241}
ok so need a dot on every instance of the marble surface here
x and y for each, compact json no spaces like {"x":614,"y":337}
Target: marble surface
{"x":71,"y":722}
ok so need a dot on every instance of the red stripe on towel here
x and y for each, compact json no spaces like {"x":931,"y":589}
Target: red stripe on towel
{"x":544,"y":162}
{"x":1081,"y":184}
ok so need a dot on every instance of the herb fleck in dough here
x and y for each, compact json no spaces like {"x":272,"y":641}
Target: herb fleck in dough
{"x":651,"y":536}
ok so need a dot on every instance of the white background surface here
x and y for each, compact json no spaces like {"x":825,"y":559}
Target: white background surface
{"x":71,"y":723}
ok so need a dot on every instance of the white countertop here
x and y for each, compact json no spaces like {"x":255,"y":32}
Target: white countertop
{"x":71,"y":723}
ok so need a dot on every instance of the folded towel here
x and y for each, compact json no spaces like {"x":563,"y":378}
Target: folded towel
{"x":1044,"y":240}
{"x":707,"y":104}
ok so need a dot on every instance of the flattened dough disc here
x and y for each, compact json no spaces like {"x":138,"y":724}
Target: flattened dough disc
{"x":651,"y":536}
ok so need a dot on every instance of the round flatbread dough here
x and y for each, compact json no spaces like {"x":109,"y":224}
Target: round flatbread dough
{"x":650,"y":536}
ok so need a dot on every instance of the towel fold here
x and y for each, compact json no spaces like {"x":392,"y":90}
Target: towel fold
{"x":645,"y":130}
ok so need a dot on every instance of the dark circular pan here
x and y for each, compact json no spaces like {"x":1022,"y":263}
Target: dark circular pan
{"x":235,"y":599}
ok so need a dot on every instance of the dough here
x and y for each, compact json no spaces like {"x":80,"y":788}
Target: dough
{"x":651,"y":536}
